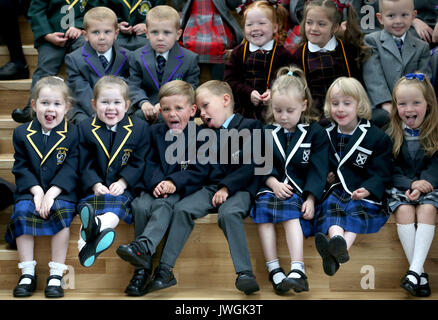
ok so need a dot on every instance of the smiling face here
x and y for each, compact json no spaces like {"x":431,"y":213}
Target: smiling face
{"x":101,"y":35}
{"x":318,"y":27}
{"x":176,"y":111}
{"x":110,"y":105}
{"x":411,"y":105}
{"x":162,"y":35}
{"x":287,"y":110}
{"x":50,"y":107}
{"x":397,"y":16}
{"x":343,"y":110}
{"x":259,"y":29}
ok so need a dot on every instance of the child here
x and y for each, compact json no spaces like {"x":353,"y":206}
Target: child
{"x":211,"y":36}
{"x":131,"y":16}
{"x":253,"y":64}
{"x":413,"y":197}
{"x":99,"y":56}
{"x":45,"y":169}
{"x":112,"y":150}
{"x":56,"y":28}
{"x":395,"y":52}
{"x":323,"y":56}
{"x":228,"y":189}
{"x":165,"y":184}
{"x":297,"y":179}
{"x":359,"y":171}
{"x":161,"y":60}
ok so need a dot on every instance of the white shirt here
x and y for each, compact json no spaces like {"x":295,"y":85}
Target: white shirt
{"x":266,"y":47}
{"x":329,"y":46}
{"x":108,"y":55}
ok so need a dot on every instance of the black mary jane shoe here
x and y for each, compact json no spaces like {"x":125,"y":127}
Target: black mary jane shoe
{"x":25,"y":290}
{"x":54,"y":291}
{"x":90,"y":228}
{"x":338,"y":249}
{"x":424,"y":289}
{"x":282,"y":287}
{"x":329,"y":263}
{"x":139,"y":282}
{"x":408,"y":285}
{"x":297,"y":284}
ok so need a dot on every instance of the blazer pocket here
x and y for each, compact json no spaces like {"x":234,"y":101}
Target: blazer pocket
{"x":361,"y":156}
{"x":305,"y":151}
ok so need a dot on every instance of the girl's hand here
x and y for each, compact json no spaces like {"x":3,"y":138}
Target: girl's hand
{"x":360,"y":194}
{"x":125,"y":27}
{"x":56,"y":38}
{"x":266,"y":97}
{"x":139,"y":29}
{"x":38,"y":195}
{"x":422,"y":185}
{"x":309,"y":207}
{"x":220,"y":197}
{"x":423,"y":30}
{"x":281,"y":190}
{"x":48,"y":200}
{"x":255,"y":98}
{"x":118,"y":187}
{"x":413,"y":195}
{"x":99,"y":189}
{"x":73,"y":33}
{"x":331,"y":178}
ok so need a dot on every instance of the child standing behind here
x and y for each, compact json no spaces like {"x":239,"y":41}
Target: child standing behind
{"x":45,"y":168}
{"x":253,"y":64}
{"x":359,"y":172}
{"x":413,"y":198}
{"x":297,"y":179}
{"x":112,"y":149}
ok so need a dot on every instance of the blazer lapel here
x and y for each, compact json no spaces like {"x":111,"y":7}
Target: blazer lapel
{"x":120,"y":60}
{"x":123,"y":132}
{"x":35,"y":139}
{"x":331,"y":133}
{"x":174,"y":61}
{"x":98,"y":127}
{"x":409,"y":47}
{"x":389,"y":44}
{"x":57,"y":135}
{"x":279,"y":140}
{"x":148,"y":59}
{"x":92,"y":60}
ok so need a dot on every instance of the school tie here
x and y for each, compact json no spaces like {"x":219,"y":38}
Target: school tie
{"x":289,"y":136}
{"x":399,"y":43}
{"x":413,"y":132}
{"x":112,"y":138}
{"x":45,"y":140}
{"x":161,"y":63}
{"x":104,"y":61}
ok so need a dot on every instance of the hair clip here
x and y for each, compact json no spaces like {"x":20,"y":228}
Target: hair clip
{"x":341,"y":8}
{"x":274,"y":3}
{"x":418,"y":76}
{"x":245,"y":3}
{"x":58,"y":78}
{"x":290,"y":74}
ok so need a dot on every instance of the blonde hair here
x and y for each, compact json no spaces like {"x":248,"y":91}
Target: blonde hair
{"x":53,"y":82}
{"x":163,"y":13}
{"x":111,"y":81}
{"x":178,"y":87}
{"x":292,"y":80}
{"x":100,"y":14}
{"x":382,"y":4}
{"x":352,"y":88}
{"x":429,"y":129}
{"x":217,"y":88}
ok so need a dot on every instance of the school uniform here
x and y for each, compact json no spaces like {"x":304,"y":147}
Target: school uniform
{"x":45,"y":162}
{"x":246,"y":71}
{"x":362,"y":159}
{"x":242,"y":186}
{"x":105,"y":163}
{"x":410,"y":165}
{"x":84,"y":69}
{"x":144,"y":83}
{"x":300,"y":160}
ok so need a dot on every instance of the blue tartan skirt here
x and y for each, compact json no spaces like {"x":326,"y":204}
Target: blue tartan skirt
{"x":356,"y":216}
{"x":397,"y":198}
{"x":269,"y":209}
{"x":26,"y":221}
{"x":119,"y":205}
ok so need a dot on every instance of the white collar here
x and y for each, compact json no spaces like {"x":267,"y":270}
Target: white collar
{"x":350,"y":133}
{"x":113,"y":128}
{"x":266,"y":47}
{"x":46,"y":133}
{"x":164,"y":54}
{"x":108,"y":55}
{"x":329,"y":46}
{"x":402,"y":37}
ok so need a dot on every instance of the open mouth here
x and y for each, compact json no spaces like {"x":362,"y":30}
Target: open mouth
{"x":174,"y":124}
{"x":49,"y":118}
{"x":111,"y":115}
{"x":410,"y":120}
{"x":208,"y":122}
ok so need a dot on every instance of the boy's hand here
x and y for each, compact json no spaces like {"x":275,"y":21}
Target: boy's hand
{"x":360,"y":194}
{"x":413,"y":195}
{"x":56,"y":38}
{"x":422,"y":185}
{"x":331,"y":178}
{"x":220,"y":197}
{"x":38,"y":195}
{"x":48,"y":200}
{"x":118,"y":187}
{"x":308,"y":207}
{"x":139,"y":29}
{"x":125,"y":27}
{"x":99,"y":189}
{"x":387,"y":106}
{"x":150,"y":111}
{"x":164,"y":188}
{"x":73,"y":33}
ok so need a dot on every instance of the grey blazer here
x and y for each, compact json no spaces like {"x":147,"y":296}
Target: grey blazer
{"x":386,"y":65}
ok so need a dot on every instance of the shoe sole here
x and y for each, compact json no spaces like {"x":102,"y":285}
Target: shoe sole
{"x":338,"y":249}
{"x":247,"y":286}
{"x":23,"y":295}
{"x":104,"y":240}
{"x":328,"y":262}
{"x":295,"y":285}
{"x":156,"y":288}
{"x":84,"y":215}
{"x":131,"y":258}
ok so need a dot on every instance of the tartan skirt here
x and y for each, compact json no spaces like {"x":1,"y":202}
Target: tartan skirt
{"x":269,"y":209}
{"x":397,"y":198}
{"x":26,"y":221}
{"x":356,"y":216}
{"x":119,"y":205}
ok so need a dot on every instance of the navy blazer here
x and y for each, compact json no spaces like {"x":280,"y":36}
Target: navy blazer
{"x":367,"y":160}
{"x":53,"y":165}
{"x":84,"y":69}
{"x":187,"y":175}
{"x":304,"y":164}
{"x":126,"y":159}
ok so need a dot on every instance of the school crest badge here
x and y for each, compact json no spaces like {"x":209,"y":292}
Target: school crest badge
{"x":184,"y":165}
{"x":361,"y":159}
{"x":61,"y":155}
{"x":125,"y":157}
{"x":306,"y":155}
{"x":144,"y":8}
{"x":83,"y":5}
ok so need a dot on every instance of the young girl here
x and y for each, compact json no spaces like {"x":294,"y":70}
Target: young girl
{"x":45,"y":168}
{"x":414,"y":194}
{"x":323,"y":56}
{"x":253,"y":64}
{"x":297,"y":179}
{"x":360,"y":170}
{"x":112,"y":151}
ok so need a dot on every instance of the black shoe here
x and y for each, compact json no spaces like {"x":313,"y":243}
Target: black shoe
{"x":139,"y":282}
{"x":163,"y":278}
{"x":408,"y":285}
{"x":90,"y":228}
{"x":281,"y":287}
{"x":329,"y":263}
{"x":135,"y":253}
{"x":22,"y":115}
{"x":54,"y":291}
{"x":25,"y":290}
{"x":246,"y":282}
{"x":338,"y":249}
{"x":424,"y":289}
{"x":13,"y":71}
{"x":92,"y":249}
{"x":297,"y":284}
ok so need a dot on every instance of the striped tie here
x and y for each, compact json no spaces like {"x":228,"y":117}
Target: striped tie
{"x":104,"y":61}
{"x":161,"y":62}
{"x":399,"y":43}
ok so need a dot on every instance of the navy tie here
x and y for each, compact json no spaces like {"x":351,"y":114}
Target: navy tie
{"x":161,"y":62}
{"x":413,"y":132}
{"x":399,"y":43}
{"x":104,"y":61}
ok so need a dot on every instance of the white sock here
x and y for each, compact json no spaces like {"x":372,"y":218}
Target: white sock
{"x":81,"y":242}
{"x":27,"y":267}
{"x":423,"y":241}
{"x":272,"y":265}
{"x":406,"y":234}
{"x":108,"y":220}
{"x":57,"y":269}
{"x":298,"y":265}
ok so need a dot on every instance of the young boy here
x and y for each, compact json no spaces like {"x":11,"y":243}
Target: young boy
{"x":98,"y":57}
{"x":161,"y":60}
{"x":228,"y":190}
{"x":164,"y":183}
{"x":396,"y":52}
{"x":56,"y":28}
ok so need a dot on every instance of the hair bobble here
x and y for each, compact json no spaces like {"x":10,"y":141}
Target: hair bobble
{"x":291,"y":74}
{"x":418,"y":76}
{"x":245,"y":3}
